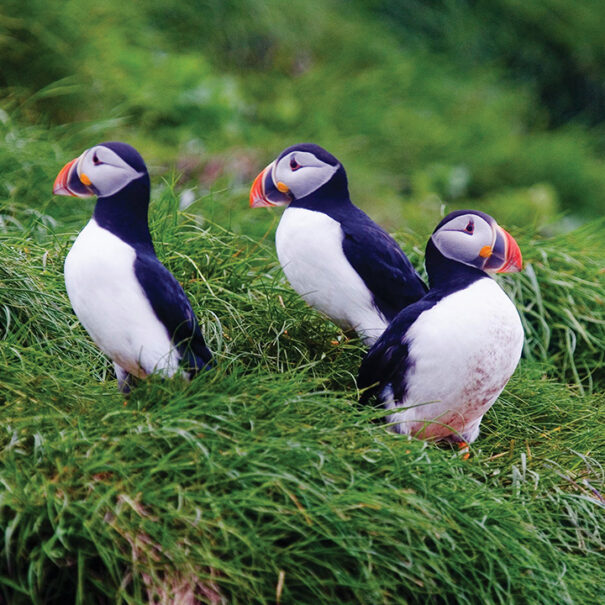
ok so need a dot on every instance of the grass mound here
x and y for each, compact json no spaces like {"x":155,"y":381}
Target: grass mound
{"x":263,"y":480}
{"x":224,"y":486}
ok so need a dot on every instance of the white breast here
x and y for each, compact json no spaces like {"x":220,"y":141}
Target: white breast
{"x":461,"y":354}
{"x":112,"y":306}
{"x":309,"y":248}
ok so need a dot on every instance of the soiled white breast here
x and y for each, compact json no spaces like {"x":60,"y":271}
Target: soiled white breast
{"x":462,"y":353}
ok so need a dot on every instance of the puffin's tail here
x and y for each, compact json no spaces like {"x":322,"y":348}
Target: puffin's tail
{"x":196,"y":356}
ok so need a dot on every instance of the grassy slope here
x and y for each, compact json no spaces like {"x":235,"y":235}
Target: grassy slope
{"x":267,"y":466}
{"x":235,"y":479}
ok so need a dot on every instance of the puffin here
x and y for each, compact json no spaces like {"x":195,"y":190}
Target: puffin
{"x":130,"y":304}
{"x":333,"y":254}
{"x":443,"y":361}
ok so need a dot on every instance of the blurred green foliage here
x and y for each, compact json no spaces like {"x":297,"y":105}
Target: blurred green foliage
{"x":555,"y":47}
{"x":426,"y":103}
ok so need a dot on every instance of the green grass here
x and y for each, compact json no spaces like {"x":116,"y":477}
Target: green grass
{"x":232,"y":480}
{"x":561,"y":298}
{"x":266,"y":467}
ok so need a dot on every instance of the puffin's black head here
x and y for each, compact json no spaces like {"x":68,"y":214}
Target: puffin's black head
{"x":475,"y":239}
{"x":298,"y":172}
{"x":102,"y":170}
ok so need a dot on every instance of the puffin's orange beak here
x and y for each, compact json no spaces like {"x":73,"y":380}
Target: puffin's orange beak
{"x":68,"y":182}
{"x":60,"y":187}
{"x":506,"y":254}
{"x":264,"y":193}
{"x":513,"y":258}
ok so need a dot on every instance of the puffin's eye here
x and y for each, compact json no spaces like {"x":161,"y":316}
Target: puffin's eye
{"x":470,"y":227}
{"x":294,"y":165}
{"x":95,"y":159}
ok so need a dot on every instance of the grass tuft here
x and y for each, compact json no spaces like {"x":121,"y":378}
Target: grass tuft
{"x":560,"y":295}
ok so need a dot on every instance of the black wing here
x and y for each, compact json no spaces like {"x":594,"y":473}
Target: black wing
{"x":382,"y":265}
{"x":173,"y":309}
{"x":386,"y":363}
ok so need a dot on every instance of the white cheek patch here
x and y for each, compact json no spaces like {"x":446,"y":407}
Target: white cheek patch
{"x":456,"y":244}
{"x":110,"y":174}
{"x":309,"y":177}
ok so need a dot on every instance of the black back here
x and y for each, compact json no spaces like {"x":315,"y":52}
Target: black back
{"x":125,"y":214}
{"x":372,"y":252}
{"x":173,"y":309}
